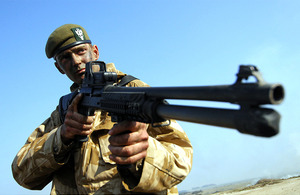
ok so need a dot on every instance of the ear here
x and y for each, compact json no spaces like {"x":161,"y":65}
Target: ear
{"x":59,"y":68}
{"x":95,"y":52}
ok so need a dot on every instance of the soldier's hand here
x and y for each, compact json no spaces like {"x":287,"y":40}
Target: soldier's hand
{"x":75,"y":123}
{"x":128,"y":142}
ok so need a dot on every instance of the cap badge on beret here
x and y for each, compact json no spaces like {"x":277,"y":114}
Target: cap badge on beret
{"x":78,"y":34}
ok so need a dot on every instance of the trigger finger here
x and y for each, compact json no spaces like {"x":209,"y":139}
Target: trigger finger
{"x":75,"y":102}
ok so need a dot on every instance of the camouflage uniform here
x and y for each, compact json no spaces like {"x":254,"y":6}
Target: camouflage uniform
{"x":87,"y":169}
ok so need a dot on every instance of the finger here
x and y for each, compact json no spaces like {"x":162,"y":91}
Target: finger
{"x":71,"y":115}
{"x":128,"y":160}
{"x":71,"y":132}
{"x":128,"y":138}
{"x":82,"y":118}
{"x":126,"y":126}
{"x":77,"y":125}
{"x":68,"y":132}
{"x":127,"y":151}
{"x":78,"y":121}
{"x":75,"y":102}
{"x":120,"y":128}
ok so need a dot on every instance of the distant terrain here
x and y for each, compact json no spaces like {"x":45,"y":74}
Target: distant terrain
{"x":290,"y":186}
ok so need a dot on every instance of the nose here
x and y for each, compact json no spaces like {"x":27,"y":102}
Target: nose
{"x":76,"y":59}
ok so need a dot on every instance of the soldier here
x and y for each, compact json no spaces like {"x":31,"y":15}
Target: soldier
{"x":160,"y":157}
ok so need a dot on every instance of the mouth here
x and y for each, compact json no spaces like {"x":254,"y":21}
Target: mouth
{"x":81,"y":71}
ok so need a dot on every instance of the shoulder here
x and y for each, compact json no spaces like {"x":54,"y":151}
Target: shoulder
{"x":110,"y":67}
{"x":137,"y":83}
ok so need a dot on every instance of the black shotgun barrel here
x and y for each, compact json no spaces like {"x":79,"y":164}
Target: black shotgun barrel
{"x":262,"y":122}
{"x":246,"y":93}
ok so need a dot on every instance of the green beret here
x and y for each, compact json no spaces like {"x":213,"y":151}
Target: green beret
{"x":65,"y":37}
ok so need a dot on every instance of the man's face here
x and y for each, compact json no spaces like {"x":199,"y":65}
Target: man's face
{"x":72,"y":61}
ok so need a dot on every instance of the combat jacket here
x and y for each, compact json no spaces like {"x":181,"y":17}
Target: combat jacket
{"x":87,"y":169}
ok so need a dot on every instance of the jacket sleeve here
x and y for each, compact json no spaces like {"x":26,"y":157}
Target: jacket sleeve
{"x":168,"y":161}
{"x":35,"y":163}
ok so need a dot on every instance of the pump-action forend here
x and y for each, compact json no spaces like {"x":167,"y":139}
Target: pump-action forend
{"x":148,"y":104}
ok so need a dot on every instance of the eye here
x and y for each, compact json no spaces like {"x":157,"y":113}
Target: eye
{"x":65,"y":56}
{"x":81,"y":51}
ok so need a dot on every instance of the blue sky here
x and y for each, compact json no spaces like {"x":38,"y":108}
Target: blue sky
{"x":164,"y":43}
